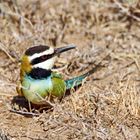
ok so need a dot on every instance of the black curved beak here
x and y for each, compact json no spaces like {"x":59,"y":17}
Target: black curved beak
{"x":63,"y":49}
{"x":57,"y":51}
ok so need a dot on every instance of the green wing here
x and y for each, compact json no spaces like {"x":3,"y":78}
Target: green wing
{"x":59,"y":86}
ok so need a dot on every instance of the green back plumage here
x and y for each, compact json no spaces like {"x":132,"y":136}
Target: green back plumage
{"x":59,"y":86}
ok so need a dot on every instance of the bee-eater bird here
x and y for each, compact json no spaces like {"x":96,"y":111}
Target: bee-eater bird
{"x":38,"y":81}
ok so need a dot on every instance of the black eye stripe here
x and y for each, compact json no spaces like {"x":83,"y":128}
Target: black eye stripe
{"x":44,"y":57}
{"x":41,"y":59}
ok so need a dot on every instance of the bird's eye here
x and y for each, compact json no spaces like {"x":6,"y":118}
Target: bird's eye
{"x":44,"y":57}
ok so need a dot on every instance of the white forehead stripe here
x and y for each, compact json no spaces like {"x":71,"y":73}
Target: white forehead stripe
{"x":49,"y":51}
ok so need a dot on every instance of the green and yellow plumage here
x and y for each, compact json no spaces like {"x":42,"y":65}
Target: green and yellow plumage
{"x":38,"y":82}
{"x":37,"y":90}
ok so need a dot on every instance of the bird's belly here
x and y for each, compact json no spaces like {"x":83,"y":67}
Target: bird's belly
{"x":36,"y":90}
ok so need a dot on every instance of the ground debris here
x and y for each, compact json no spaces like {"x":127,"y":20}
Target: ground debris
{"x":104,"y":31}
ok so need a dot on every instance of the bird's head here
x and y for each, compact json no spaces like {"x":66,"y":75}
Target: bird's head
{"x":41,"y":57}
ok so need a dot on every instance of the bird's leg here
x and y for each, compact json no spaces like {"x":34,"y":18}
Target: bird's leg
{"x":29,"y":103}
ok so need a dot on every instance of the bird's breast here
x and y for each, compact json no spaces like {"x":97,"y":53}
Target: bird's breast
{"x":35,"y":90}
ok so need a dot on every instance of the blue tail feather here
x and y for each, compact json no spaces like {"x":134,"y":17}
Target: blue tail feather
{"x":76,"y":81}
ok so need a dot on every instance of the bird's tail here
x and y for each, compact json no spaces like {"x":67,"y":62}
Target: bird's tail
{"x":76,"y":81}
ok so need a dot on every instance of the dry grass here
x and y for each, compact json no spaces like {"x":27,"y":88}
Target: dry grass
{"x":102,"y":30}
